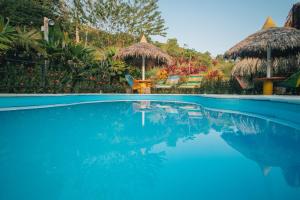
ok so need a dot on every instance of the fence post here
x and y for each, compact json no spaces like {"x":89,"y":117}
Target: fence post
{"x":7,"y":82}
{"x":43,"y":74}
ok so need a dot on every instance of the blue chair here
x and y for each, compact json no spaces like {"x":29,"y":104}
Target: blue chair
{"x":132,"y":83}
{"x":129,"y":80}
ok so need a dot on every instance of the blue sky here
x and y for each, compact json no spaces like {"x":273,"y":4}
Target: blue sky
{"x":216,"y":25}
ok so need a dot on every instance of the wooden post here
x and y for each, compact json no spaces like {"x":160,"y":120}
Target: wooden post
{"x":268,"y":84}
{"x":45,"y":29}
{"x":86,"y":38}
{"x":269,"y":62}
{"x":143,"y":68}
{"x":77,"y":37}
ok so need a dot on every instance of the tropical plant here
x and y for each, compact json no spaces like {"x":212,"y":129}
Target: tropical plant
{"x":153,"y":73}
{"x":29,"y":40}
{"x":7,"y":35}
{"x":116,"y":68}
{"x":78,"y":60}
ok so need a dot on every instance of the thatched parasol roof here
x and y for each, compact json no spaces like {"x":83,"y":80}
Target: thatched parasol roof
{"x":293,"y":19}
{"x":283,"y":41}
{"x":252,"y":66}
{"x":146,"y":49}
{"x":269,"y":24}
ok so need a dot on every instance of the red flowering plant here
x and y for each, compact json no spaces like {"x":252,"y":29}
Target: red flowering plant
{"x":214,"y":75}
{"x":185,"y":69}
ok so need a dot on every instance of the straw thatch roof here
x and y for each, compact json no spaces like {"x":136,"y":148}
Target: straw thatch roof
{"x":283,"y":41}
{"x":293,"y":19}
{"x":253,"y":66}
{"x":269,"y":24}
{"x":146,"y":49}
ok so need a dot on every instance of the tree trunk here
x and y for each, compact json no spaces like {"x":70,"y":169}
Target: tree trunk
{"x":86,"y":38}
{"x":77,"y":38}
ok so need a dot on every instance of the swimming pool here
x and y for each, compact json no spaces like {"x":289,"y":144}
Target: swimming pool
{"x":149,"y":147}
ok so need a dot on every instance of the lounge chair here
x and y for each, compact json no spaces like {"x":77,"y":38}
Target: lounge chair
{"x":291,"y":82}
{"x":193,"y":81}
{"x":172,"y":81}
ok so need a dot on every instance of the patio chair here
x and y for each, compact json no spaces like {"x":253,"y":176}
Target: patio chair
{"x":193,"y":81}
{"x":292,"y":82}
{"x":172,"y":81}
{"x":132,"y":83}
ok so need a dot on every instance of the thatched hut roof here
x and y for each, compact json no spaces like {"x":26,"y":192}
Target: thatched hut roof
{"x":269,"y":24}
{"x":146,"y":49}
{"x":254,"y":66}
{"x":293,"y":19}
{"x":283,"y":41}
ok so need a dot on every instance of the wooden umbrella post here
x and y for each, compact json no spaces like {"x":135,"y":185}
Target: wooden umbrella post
{"x":143,"y":68}
{"x":268,"y":82}
{"x":269,"y":62}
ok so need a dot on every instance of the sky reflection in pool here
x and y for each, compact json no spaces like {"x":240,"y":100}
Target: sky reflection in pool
{"x":146,"y":150}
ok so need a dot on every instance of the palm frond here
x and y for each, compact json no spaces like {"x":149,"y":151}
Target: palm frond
{"x":31,"y":39}
{"x":7,"y":35}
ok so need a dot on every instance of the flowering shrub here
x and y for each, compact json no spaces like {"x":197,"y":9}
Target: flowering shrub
{"x":214,"y":75}
{"x":162,"y":74}
{"x":185,"y":70}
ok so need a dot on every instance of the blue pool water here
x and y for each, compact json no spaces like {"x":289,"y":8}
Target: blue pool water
{"x":147,"y":150}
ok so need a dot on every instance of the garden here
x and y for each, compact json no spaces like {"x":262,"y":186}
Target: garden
{"x":75,"y":50}
{"x":79,"y":57}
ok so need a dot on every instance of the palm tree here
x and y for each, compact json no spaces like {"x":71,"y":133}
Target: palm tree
{"x":29,"y":40}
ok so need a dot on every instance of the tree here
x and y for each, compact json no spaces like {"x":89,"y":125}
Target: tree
{"x":80,"y":14}
{"x":135,"y":17}
{"x":29,"y":12}
{"x":172,"y":48}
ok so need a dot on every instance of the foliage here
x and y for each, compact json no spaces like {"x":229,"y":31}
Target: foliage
{"x":155,"y":73}
{"x":223,"y":65}
{"x":135,"y":17}
{"x":63,"y":65}
{"x":116,"y":68}
{"x":29,"y":40}
{"x":29,"y":12}
{"x":162,"y":74}
{"x":185,"y":70}
{"x":7,"y":35}
{"x":214,"y":75}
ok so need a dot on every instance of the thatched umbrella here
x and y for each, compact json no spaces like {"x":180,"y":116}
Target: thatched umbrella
{"x":252,"y":66}
{"x":293,"y":19}
{"x":269,"y":42}
{"x":281,"y":41}
{"x":145,"y":51}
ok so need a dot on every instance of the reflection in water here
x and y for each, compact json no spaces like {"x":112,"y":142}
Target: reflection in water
{"x":106,"y":150}
{"x":268,"y":143}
